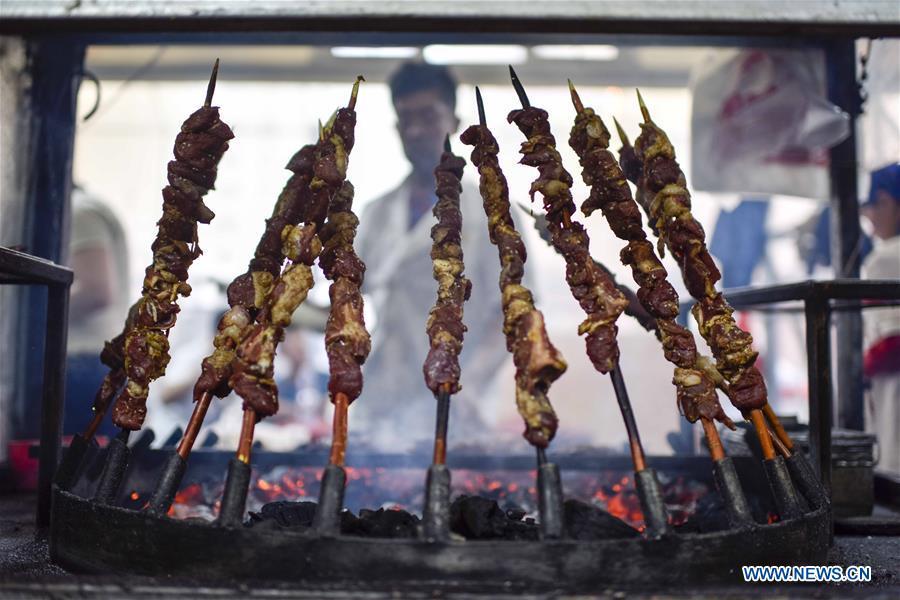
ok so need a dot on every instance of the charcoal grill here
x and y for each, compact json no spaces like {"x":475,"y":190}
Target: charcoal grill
{"x":93,"y":538}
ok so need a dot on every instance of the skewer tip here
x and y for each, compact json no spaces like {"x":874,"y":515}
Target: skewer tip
{"x":520,"y":90}
{"x":576,"y":99}
{"x":482,"y":120}
{"x":447,"y":148}
{"x":329,"y":124}
{"x":354,"y":92}
{"x":623,"y":137}
{"x":644,"y":111}
{"x":211,"y":87}
{"x":321,"y":131}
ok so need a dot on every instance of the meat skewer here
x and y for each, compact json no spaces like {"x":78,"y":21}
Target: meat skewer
{"x":198,"y":149}
{"x":591,"y":286}
{"x":252,"y":375}
{"x":696,"y":387}
{"x":445,"y":332}
{"x":538,"y":363}
{"x":347,"y":344}
{"x":632,"y":168}
{"x":113,"y":356}
{"x":246,"y":295}
{"x":663,"y":195}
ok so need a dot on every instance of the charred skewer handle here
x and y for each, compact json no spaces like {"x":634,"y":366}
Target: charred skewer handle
{"x":168,"y":484}
{"x":649,"y":492}
{"x":436,"y":516}
{"x":645,"y":480}
{"x":173,"y":472}
{"x":67,"y":473}
{"x":807,"y":482}
{"x":327,"y":519}
{"x":786,"y":500}
{"x":234,"y":497}
{"x":113,"y":469}
{"x":550,"y":498}
{"x":729,"y":485}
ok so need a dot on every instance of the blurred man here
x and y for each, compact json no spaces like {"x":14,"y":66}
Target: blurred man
{"x":98,"y":302}
{"x":882,"y":325}
{"x":395,"y":242}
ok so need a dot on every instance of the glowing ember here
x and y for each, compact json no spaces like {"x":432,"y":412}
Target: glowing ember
{"x":404,"y":489}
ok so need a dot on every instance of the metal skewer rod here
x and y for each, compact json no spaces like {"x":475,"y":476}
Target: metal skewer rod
{"x":779,"y":478}
{"x":211,"y":87}
{"x":436,"y":513}
{"x":778,"y":427}
{"x":727,"y":480}
{"x":441,"y":424}
{"x":482,"y":120}
{"x":354,"y":92}
{"x":69,"y":467}
{"x":237,"y":482}
{"x":327,"y":519}
{"x":713,"y":439}
{"x":520,"y":89}
{"x":245,"y":443}
{"x":173,"y":471}
{"x":646,"y":482}
{"x":193,"y":426}
{"x":634,"y":438}
{"x":762,"y":433}
{"x":339,"y":430}
{"x":92,"y":427}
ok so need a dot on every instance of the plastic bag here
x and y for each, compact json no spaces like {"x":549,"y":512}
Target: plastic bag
{"x":761,"y":123}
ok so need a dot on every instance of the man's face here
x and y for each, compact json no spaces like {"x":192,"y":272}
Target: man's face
{"x":423,"y":119}
{"x":885,"y":215}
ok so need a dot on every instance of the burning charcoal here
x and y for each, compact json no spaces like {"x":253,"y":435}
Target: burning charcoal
{"x":477,"y":518}
{"x":586,"y":522}
{"x":383,"y":523}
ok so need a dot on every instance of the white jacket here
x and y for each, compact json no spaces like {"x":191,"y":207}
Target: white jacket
{"x":396,"y":408}
{"x":883,"y":406}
